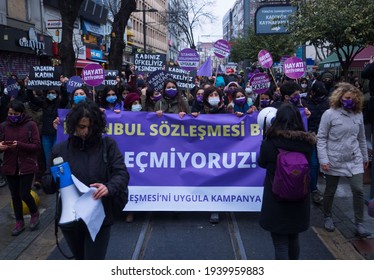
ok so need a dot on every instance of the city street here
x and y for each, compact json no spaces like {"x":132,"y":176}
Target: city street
{"x":190,"y":236}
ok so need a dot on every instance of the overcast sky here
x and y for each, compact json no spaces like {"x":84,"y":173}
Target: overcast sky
{"x":219,"y":10}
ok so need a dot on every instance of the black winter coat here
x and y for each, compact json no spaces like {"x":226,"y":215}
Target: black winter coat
{"x":87,"y":164}
{"x":316,"y":110}
{"x":279,"y":216}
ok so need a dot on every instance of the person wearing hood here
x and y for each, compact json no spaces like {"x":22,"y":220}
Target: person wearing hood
{"x":317,"y":103}
{"x":20,"y":142}
{"x":228,"y":92}
{"x":285,"y":220}
{"x":327,"y":78}
{"x":172,"y":101}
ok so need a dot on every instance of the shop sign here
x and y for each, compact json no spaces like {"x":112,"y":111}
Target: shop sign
{"x":32,"y":42}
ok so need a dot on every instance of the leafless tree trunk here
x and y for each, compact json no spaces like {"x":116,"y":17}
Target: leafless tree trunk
{"x":118,"y":29}
{"x":69,"y":10}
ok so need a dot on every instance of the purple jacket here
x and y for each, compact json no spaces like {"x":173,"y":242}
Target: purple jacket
{"x":24,"y":158}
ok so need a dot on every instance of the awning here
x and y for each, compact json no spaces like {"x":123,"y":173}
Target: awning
{"x":330,"y":62}
{"x":92,"y":28}
{"x":81,"y":63}
{"x":98,"y":60}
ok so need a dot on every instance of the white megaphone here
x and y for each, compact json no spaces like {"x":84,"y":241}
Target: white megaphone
{"x":266,"y":117}
{"x":68,"y":191}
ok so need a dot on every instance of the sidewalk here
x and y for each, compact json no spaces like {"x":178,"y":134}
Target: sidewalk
{"x":33,"y":245}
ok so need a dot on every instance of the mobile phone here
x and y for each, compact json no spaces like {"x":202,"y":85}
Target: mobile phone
{"x":8,"y":142}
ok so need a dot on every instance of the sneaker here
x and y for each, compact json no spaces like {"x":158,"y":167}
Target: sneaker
{"x":18,"y":228}
{"x":37,"y":185}
{"x":34,"y":221}
{"x":361,"y":231}
{"x":214,"y":218}
{"x":130,"y":217}
{"x":317,"y":197}
{"x":329,"y":224}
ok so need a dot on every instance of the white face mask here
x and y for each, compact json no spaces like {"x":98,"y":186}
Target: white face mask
{"x":136,"y":107}
{"x":213,"y":101}
{"x":248,"y":90}
{"x":304,"y":85}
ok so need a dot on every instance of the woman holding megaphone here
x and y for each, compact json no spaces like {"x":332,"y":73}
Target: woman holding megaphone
{"x":83,"y":151}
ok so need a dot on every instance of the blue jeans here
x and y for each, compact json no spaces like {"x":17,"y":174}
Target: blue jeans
{"x":48,"y":141}
{"x":314,"y":170}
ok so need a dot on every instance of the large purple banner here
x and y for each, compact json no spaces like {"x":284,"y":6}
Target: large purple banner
{"x":207,"y":163}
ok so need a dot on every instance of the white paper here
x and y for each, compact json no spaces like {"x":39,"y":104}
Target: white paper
{"x":90,"y":210}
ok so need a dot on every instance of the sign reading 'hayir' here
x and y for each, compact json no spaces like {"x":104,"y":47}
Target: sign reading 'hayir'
{"x":273,"y":19}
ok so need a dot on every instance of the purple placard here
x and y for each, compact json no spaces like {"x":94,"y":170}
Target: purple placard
{"x":265,"y":59}
{"x":73,"y":83}
{"x":260,"y":83}
{"x":221,"y":48}
{"x":12,"y":87}
{"x":188,"y":59}
{"x":93,"y":74}
{"x":294,"y":68}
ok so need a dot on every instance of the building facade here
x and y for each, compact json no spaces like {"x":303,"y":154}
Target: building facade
{"x":30,"y":31}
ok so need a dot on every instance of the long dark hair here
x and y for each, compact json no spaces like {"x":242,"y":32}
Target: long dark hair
{"x":288,"y":117}
{"x":86,"y":109}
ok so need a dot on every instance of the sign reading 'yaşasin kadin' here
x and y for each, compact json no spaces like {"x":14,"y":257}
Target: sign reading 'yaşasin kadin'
{"x":221,"y":48}
{"x":188,"y":59}
{"x":294,"y":67}
{"x":93,"y":74}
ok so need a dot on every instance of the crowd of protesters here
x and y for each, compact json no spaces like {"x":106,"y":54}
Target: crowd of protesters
{"x":221,"y":94}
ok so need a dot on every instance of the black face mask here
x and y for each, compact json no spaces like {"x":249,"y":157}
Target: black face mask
{"x":328,"y":85}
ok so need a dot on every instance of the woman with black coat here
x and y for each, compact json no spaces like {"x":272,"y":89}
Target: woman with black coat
{"x":84,"y":150}
{"x":283,"y":219}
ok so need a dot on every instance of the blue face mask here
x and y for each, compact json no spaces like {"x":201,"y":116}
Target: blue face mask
{"x":79,"y":98}
{"x":51,"y":96}
{"x":136,"y":107}
{"x":111,"y":98}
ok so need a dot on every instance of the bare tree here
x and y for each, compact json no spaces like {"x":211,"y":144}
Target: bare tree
{"x":184,"y":16}
{"x":121,"y":11}
{"x":69,"y":10}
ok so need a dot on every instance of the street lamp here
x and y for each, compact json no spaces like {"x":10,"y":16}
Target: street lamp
{"x":145,"y":24}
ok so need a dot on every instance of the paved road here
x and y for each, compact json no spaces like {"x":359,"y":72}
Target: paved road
{"x":189,"y":235}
